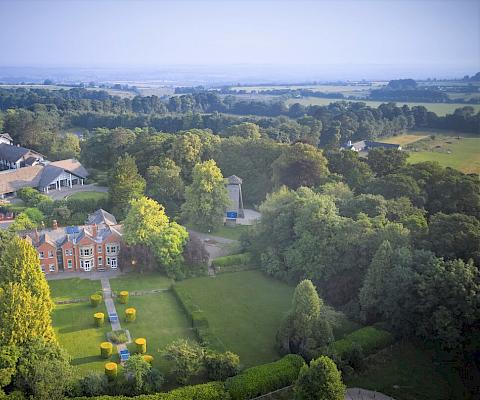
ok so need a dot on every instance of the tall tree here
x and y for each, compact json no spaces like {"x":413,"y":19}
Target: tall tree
{"x":126,"y":184}
{"x":25,"y":303}
{"x":386,"y":161}
{"x":300,"y":165}
{"x":206,"y":198}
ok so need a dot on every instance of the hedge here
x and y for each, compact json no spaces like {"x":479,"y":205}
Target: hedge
{"x":260,"y":380}
{"x":233,"y":263}
{"x":370,"y":339}
{"x":123,"y":297}
{"x":99,"y":318}
{"x":130,"y":314}
{"x":198,"y":320}
{"x":95,"y":300}
{"x":111,"y":370}
{"x":141,"y":344}
{"x":106,"y":349}
{"x":206,"y":391}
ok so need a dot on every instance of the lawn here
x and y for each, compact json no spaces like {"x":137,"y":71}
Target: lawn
{"x":135,"y":281}
{"x":73,"y":288}
{"x":160,"y":320}
{"x":462,"y":153}
{"x":407,"y":372}
{"x":77,"y":333}
{"x":403,"y":139}
{"x":231,"y":232}
{"x":440,"y":109}
{"x":244,"y":310}
{"x":88,"y":196}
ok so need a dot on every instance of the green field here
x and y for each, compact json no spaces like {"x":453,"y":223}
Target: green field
{"x":231,"y":232}
{"x":160,"y":320}
{"x":462,"y":153}
{"x":408,"y":372}
{"x":244,"y":310}
{"x":73,"y":288}
{"x":136,"y":281}
{"x":438,"y":108}
{"x":77,"y":333}
{"x":88,"y":196}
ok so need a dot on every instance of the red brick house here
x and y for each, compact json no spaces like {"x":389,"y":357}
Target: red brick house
{"x":94,"y":246}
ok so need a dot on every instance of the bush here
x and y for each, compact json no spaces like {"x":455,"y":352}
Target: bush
{"x":130,"y":314}
{"x":265,"y":378}
{"x":123,"y":297}
{"x":221,"y":366}
{"x":148,"y":358}
{"x":111,"y":370}
{"x":141,"y":344}
{"x":117,"y":337}
{"x":106,"y":349}
{"x":99,"y":318}
{"x":95,"y":300}
{"x":370,"y":339}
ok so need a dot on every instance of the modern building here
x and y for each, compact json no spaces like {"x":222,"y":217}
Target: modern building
{"x":94,"y":246}
{"x":366,"y":145}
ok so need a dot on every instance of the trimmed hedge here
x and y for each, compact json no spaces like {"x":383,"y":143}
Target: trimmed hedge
{"x":266,"y":378}
{"x":95,"y":300}
{"x":206,"y":391}
{"x":111,"y":370}
{"x":198,"y":320}
{"x":106,"y":349}
{"x":233,"y":263}
{"x":130,"y":314}
{"x":99,"y":318}
{"x":141,"y":344}
{"x":370,"y":339}
{"x":123,"y":297}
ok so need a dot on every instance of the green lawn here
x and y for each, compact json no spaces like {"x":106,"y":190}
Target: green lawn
{"x":135,"y":281}
{"x":462,"y":154}
{"x":73,"y":288}
{"x":160,"y":320}
{"x":230,"y":232}
{"x":244,"y":310}
{"x":77,"y":333}
{"x":407,"y":372}
{"x":88,"y":196}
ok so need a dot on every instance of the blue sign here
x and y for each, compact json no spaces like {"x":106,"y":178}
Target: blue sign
{"x":232,"y":214}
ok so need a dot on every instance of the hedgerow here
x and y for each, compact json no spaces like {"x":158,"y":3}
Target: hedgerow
{"x":233,"y":263}
{"x":370,"y":339}
{"x":265,"y":378}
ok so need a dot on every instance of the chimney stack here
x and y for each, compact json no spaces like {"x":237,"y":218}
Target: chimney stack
{"x":36,"y":237}
{"x":54,"y":224}
{"x":94,"y":230}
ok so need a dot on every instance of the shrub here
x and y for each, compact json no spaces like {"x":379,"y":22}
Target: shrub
{"x":130,"y":314}
{"x":123,"y":297}
{"x":148,"y":358}
{"x":118,"y":336}
{"x":95,"y":300}
{"x":370,"y":339}
{"x":265,"y":378}
{"x":111,"y":370}
{"x":106,"y":349}
{"x":99,"y":318}
{"x":221,"y":366}
{"x":141,"y":344}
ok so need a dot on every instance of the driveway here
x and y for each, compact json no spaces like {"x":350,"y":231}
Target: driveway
{"x":65,"y":192}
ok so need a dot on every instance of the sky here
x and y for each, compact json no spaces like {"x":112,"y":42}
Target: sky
{"x":442,"y":33}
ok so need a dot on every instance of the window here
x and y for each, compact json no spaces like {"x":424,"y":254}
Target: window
{"x":42,"y":268}
{"x":108,"y":260}
{"x":41,"y":255}
{"x":69,"y":264}
{"x":50,"y":254}
{"x":99,"y":248}
{"x":86,"y":265}
{"x":51,"y":267}
{"x":69,"y":252}
{"x":113,"y":263}
{"x":100,"y":261}
{"x":85,"y":252}
{"x":112,"y":248}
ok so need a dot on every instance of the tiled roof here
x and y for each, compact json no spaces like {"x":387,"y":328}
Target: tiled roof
{"x":101,"y":217}
{"x":71,"y":165}
{"x":49,"y":174}
{"x":12,"y":153}
{"x":13,"y":180}
{"x":234,"y":180}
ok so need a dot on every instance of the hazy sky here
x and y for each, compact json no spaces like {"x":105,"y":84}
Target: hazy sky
{"x":94,"y":33}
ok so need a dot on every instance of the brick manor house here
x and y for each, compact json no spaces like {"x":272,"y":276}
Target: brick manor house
{"x":94,"y":246}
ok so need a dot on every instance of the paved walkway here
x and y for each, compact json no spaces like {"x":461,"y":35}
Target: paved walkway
{"x":66,"y":191}
{"x":363,"y":394}
{"x":110,"y":306}
{"x":92,"y":275}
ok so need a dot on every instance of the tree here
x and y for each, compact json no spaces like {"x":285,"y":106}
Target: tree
{"x":165,"y":184}
{"x":247,"y":130}
{"x":25,"y":303}
{"x":221,"y":366}
{"x":195,"y":253}
{"x":394,"y":186}
{"x":147,"y":225}
{"x":386,"y":161}
{"x":145,"y":379}
{"x":305,"y":329}
{"x":67,"y":146}
{"x":186,"y":152}
{"x":206,"y":198}
{"x":187,"y":358}
{"x":320,"y":381}
{"x":126,"y":184}
{"x":299,"y":165}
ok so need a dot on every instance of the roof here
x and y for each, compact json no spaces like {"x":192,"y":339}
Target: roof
{"x":12,"y":153}
{"x":234,"y":180}
{"x":6,"y":136}
{"x":101,"y":217}
{"x":15,"y":179}
{"x":71,"y":165}
{"x":49,"y":174}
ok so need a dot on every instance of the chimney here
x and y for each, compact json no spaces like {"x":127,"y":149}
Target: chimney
{"x":35,"y":237}
{"x":54,"y":224}
{"x":94,"y":230}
